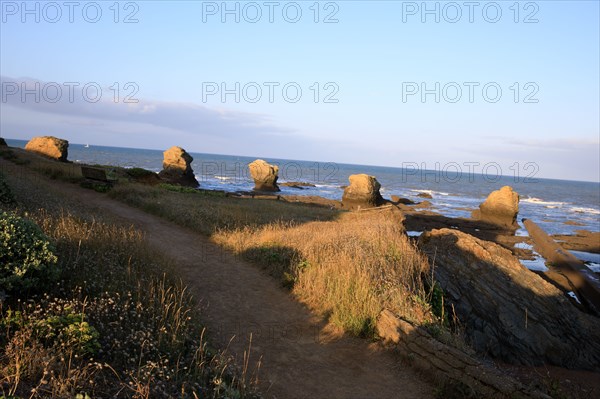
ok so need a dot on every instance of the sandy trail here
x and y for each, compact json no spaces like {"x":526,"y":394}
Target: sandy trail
{"x":298,"y":360}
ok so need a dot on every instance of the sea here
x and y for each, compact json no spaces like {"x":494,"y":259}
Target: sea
{"x":558,"y":206}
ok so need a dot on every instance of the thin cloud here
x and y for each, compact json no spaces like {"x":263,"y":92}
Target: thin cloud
{"x":560,"y":144}
{"x":186,"y":117}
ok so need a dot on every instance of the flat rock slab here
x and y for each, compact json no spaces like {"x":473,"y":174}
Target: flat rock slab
{"x":508,"y":311}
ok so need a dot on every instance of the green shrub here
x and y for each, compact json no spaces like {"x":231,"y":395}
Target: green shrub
{"x":8,"y":154}
{"x":71,"y":331}
{"x":65,"y":330}
{"x":6,"y":195}
{"x":178,"y":189}
{"x":138,"y":173}
{"x":96,"y":186}
{"x":26,"y":255}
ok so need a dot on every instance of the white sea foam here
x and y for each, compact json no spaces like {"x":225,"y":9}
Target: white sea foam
{"x":430,"y":192}
{"x":578,"y":209}
{"x":327,"y":186}
{"x":538,"y":201}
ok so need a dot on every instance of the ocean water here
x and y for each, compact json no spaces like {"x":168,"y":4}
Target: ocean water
{"x":550,"y":203}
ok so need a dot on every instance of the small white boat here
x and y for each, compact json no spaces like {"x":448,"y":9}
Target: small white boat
{"x":87,"y":146}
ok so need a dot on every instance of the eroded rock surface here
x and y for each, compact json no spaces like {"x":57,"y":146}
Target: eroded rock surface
{"x":508,"y":311}
{"x":49,"y":146}
{"x":177,"y":167}
{"x":363,"y":192}
{"x":500,"y":208}
{"x":264,"y":175}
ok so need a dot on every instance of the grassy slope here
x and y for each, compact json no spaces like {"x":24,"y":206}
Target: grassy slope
{"x":350,"y":268}
{"x":207,"y":212}
{"x":347,"y":266}
{"x":149,"y":336}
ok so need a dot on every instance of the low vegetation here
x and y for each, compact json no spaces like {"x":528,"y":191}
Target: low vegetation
{"x":27,"y":258}
{"x":208,"y":212}
{"x":88,"y":310}
{"x":348,"y":266}
{"x":344,"y":266}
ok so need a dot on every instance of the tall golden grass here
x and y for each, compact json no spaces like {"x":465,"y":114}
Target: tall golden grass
{"x":345,"y":266}
{"x":348,"y":266}
{"x":349,"y":269}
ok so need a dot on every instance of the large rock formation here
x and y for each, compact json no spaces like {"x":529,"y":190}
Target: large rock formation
{"x":500,"y":208}
{"x":49,"y":146}
{"x":565,"y":266}
{"x":508,"y":311}
{"x":264,"y":175}
{"x":3,"y":142}
{"x":177,"y":167}
{"x":363,"y":192}
{"x":448,"y":363}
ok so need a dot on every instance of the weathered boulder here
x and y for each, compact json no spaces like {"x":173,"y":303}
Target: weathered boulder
{"x":448,"y":363}
{"x":404,"y":201}
{"x":3,"y":142}
{"x":363,"y":192}
{"x":264,"y":175}
{"x":177,"y":168}
{"x":49,"y":146}
{"x":500,"y":208}
{"x":508,"y":311}
{"x":424,"y":204}
{"x":425,"y":195}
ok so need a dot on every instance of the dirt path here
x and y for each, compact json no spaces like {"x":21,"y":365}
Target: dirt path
{"x":298,"y":360}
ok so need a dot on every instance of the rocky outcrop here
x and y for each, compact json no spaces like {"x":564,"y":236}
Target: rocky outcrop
{"x":404,"y":201}
{"x":424,"y":205}
{"x":49,"y":146}
{"x":507,"y":311}
{"x":3,"y":142}
{"x":363,"y":192}
{"x":564,"y":265}
{"x":447,"y":363}
{"x":425,"y":195}
{"x":500,"y":208}
{"x":264,"y":175}
{"x":177,"y":168}
{"x":300,"y":185}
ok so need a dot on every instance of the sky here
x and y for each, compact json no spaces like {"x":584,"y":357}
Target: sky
{"x":362,"y":82}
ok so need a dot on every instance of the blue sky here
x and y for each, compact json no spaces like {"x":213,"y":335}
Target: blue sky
{"x":369,"y":61}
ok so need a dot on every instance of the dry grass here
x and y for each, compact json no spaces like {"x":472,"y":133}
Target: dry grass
{"x":207,"y":212}
{"x":48,"y":167}
{"x":347,"y":266}
{"x":117,"y":323}
{"x":349,"y":269}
